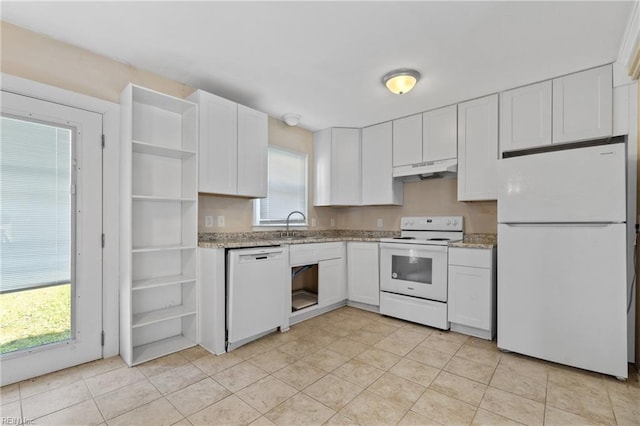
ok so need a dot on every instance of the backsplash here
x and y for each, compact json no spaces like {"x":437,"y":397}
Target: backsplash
{"x":434,"y":197}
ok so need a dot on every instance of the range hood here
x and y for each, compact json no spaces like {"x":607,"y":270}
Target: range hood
{"x":427,"y":170}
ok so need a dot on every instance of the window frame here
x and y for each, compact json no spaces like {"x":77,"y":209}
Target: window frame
{"x":296,"y":221}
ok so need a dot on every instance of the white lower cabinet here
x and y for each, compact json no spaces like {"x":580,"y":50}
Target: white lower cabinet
{"x":318,"y":279}
{"x":363,"y":273}
{"x":212,"y":268}
{"x":332,"y":282}
{"x":472,"y":291}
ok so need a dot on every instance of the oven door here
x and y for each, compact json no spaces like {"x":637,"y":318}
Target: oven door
{"x":414,"y":270}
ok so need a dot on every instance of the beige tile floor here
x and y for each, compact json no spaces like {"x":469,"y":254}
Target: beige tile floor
{"x":344,"y":367}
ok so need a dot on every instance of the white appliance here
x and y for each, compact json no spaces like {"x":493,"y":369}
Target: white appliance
{"x":256,"y":284}
{"x":562,"y":257}
{"x":413,"y":269}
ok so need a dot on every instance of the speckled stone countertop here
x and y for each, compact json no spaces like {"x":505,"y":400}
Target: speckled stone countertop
{"x":275,"y":238}
{"x":485,"y":241}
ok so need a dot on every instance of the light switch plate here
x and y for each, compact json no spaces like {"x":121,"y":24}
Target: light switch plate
{"x":208,"y":221}
{"x":221,"y":221}
{"x":313,"y":221}
{"x":379,"y":223}
{"x":333,"y":222}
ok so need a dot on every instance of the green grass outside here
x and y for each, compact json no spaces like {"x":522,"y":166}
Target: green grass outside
{"x":34,"y":317}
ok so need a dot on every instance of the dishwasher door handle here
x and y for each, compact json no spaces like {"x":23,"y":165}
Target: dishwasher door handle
{"x":259,"y":257}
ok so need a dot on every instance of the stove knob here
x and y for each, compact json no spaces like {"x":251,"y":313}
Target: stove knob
{"x":455,"y":222}
{"x":448,"y":223}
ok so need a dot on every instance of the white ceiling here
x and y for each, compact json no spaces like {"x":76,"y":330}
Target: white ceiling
{"x":324,"y":60}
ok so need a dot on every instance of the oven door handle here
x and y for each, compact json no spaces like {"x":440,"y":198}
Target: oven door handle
{"x":418,"y":247}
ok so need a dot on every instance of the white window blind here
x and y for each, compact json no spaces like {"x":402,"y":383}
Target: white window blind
{"x":287,"y":188}
{"x":35,"y":205}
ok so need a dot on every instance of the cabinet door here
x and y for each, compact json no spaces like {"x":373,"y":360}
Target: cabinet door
{"x":525,"y":117}
{"x":218,"y":149}
{"x":440,"y":134}
{"x":478,"y":149}
{"x":253,"y":129}
{"x":378,"y":185}
{"x":407,"y":140}
{"x":470,"y":301}
{"x":345,"y":167}
{"x":582,"y":105}
{"x":322,"y":167}
{"x":211,"y":300}
{"x":332,"y":282}
{"x":363,"y":280}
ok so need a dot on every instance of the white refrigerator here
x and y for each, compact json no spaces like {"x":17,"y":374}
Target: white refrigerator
{"x":562,"y":257}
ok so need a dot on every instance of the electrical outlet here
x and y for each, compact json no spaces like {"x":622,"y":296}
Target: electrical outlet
{"x":313,"y":221}
{"x":208,"y":221}
{"x":379,"y":223}
{"x":220,"y":221}
{"x":333,"y":222}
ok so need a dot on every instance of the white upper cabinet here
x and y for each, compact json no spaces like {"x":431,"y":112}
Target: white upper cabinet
{"x":345,"y":167}
{"x":478,"y":149}
{"x":232,"y":147}
{"x":378,"y":185}
{"x":407,"y":140}
{"x":337,"y":167}
{"x":322,"y":168}
{"x":525,"y":117}
{"x":582,"y":105}
{"x":253,"y":130}
{"x":440,"y":134}
{"x":218,"y":133}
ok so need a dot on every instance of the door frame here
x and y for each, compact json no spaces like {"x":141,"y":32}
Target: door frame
{"x":110,"y":194}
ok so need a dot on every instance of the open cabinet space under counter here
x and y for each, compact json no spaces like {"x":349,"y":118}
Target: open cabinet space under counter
{"x":159,"y":216}
{"x":318,"y":279}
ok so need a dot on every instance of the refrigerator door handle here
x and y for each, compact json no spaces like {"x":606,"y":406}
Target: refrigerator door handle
{"x":561,"y":225}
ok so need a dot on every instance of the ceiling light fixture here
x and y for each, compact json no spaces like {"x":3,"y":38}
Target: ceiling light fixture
{"x":291,"y":119}
{"x":401,"y":81}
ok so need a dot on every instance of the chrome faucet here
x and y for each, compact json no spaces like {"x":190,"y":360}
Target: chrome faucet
{"x":289,"y":217}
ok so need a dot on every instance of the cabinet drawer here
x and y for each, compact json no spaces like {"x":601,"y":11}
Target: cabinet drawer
{"x":479,"y":258}
{"x":304,"y":254}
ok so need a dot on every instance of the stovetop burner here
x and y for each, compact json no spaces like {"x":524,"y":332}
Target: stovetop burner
{"x":429,"y":230}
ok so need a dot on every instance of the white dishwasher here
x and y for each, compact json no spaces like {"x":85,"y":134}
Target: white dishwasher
{"x":256,"y":283}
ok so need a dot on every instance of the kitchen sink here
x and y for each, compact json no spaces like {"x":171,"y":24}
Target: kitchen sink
{"x":301,"y":237}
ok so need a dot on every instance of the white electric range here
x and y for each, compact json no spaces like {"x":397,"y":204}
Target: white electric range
{"x":413,"y":269}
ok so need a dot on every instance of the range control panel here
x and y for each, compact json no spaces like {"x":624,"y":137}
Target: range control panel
{"x":432,"y":223}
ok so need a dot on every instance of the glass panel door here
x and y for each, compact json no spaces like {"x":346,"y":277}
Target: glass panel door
{"x":50,"y":237}
{"x":36,"y":282}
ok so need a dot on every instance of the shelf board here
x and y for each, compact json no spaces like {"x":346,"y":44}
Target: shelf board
{"x":149,"y":351}
{"x":160,"y":282}
{"x":161,"y":248}
{"x":162,"y":151}
{"x":160,"y":100}
{"x":152,"y":317}
{"x":160,"y":198}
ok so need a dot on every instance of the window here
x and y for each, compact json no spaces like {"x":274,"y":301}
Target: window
{"x":35,"y":177}
{"x":287,"y":189}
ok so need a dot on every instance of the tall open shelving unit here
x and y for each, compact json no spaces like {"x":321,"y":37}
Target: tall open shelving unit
{"x":159,"y":223}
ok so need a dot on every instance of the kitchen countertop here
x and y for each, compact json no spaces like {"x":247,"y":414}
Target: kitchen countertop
{"x":275,"y":238}
{"x":484,"y":241}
